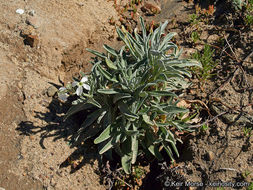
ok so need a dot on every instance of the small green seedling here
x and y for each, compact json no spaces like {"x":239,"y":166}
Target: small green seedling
{"x":247,"y":131}
{"x":195,"y":36}
{"x":206,"y":58}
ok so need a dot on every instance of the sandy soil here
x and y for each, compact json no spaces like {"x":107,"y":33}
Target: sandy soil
{"x":56,"y":28}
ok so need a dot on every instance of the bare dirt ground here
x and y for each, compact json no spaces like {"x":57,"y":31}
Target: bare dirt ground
{"x":42,"y":48}
{"x":35,"y":49}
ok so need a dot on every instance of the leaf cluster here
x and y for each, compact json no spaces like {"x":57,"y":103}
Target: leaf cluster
{"x":132,"y":97}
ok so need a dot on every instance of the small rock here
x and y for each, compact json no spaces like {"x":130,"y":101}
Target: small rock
{"x":52,"y":182}
{"x":32,"y":12}
{"x":20,"y":11}
{"x":204,"y":35}
{"x":31,"y":40}
{"x":2,"y":188}
{"x":213,"y":38}
{"x":59,"y":173}
{"x":210,"y":155}
{"x":20,"y":86}
{"x":51,"y":91}
{"x":151,"y":8}
{"x":33,"y":21}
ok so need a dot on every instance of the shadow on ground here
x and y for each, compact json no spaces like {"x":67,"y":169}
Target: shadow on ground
{"x":56,"y":127}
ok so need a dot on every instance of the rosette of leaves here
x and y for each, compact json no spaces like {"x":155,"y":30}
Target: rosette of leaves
{"x":132,"y":97}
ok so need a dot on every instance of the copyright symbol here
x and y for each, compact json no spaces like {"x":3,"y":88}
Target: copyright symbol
{"x":167,"y":182}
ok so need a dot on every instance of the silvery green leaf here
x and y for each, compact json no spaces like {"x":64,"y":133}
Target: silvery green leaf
{"x":96,"y":53}
{"x":135,"y":144}
{"x":144,"y":32}
{"x":147,"y":120}
{"x":110,"y":50}
{"x":94,"y":102}
{"x":101,"y":117}
{"x":175,"y":109}
{"x":107,"y":74}
{"x":106,"y":147}
{"x":163,"y":26}
{"x":131,"y":132}
{"x":107,"y":91}
{"x":121,"y":96}
{"x":78,"y":101}
{"x":166,"y":40}
{"x":184,"y":63}
{"x":173,"y":146}
{"x":169,"y":152}
{"x":126,"y":163}
{"x":110,"y":64}
{"x":156,"y":52}
{"x":162,"y":93}
{"x":126,"y":158}
{"x":106,"y":134}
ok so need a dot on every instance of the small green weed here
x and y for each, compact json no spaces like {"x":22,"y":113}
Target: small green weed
{"x":245,"y":174}
{"x":208,"y":64}
{"x":204,"y":127}
{"x":250,"y":187}
{"x":194,"y":19}
{"x":247,"y":131}
{"x":195,"y":36}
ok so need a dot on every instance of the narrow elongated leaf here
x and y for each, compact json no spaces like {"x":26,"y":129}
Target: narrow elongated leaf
{"x":106,"y":134}
{"x":175,"y":109}
{"x":126,"y":163}
{"x":108,"y":146}
{"x":96,"y":53}
{"x":162,"y":93}
{"x":106,"y":74}
{"x":167,"y":38}
{"x":131,"y":132}
{"x":147,"y":120}
{"x":126,"y":158}
{"x":110,"y":50}
{"x":184,"y":63}
{"x":173,"y":146}
{"x":110,"y":64}
{"x":94,"y":102}
{"x":107,"y":91}
{"x":169,"y":152}
{"x":89,"y":132}
{"x":121,"y":96}
{"x":144,"y":32}
{"x":134,"y":146}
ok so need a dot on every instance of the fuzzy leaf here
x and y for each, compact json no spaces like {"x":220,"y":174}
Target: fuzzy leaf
{"x":110,"y":64}
{"x":121,"y":96}
{"x":106,"y":134}
{"x":110,"y":50}
{"x":107,"y":91}
{"x":96,"y":53}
